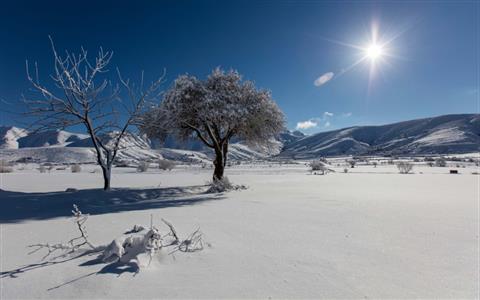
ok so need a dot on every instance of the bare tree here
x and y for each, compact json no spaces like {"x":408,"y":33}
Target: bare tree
{"x":81,"y":94}
{"x":216,"y":110}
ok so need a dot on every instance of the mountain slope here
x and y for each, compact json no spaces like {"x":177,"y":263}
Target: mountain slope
{"x":444,"y":134}
{"x":58,"y":138}
{"x":438,"y":135}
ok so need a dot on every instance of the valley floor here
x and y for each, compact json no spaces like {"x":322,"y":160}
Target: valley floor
{"x":368,"y":233}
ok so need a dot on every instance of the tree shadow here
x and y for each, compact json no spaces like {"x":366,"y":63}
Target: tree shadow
{"x":15,"y":273}
{"x":18,"y":206}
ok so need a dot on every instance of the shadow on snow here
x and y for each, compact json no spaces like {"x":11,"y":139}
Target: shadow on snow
{"x":18,"y":206}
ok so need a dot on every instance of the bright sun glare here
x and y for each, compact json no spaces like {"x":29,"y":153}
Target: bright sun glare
{"x":374,"y":51}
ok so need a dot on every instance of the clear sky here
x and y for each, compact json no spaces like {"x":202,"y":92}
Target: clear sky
{"x":429,"y":67}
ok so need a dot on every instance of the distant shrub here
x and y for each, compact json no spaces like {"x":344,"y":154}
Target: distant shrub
{"x":24,"y":160}
{"x":76,"y":168}
{"x":42,"y":169}
{"x":374,"y":163}
{"x":404,"y":167}
{"x":319,"y":166}
{"x":165,"y":164}
{"x":352,"y":163}
{"x":5,"y":167}
{"x":429,"y":159}
{"x":48,"y":166}
{"x":441,"y":162}
{"x":143,"y":166}
{"x":345,"y":170}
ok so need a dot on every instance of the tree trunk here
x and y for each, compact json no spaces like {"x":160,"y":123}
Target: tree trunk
{"x":219,"y":165}
{"x":107,"y":172}
{"x":225,"y":152}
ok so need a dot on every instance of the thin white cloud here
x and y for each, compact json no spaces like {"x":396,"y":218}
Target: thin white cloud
{"x":328,"y":114}
{"x":306,"y":124}
{"x":347,"y":114}
{"x":323,"y":79}
{"x":327,"y":124}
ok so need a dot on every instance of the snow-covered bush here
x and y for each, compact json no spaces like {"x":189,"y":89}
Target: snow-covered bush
{"x":42,"y":169}
{"x":404,"y":167}
{"x":345,"y":170}
{"x":165,"y":164}
{"x":352,"y":163}
{"x":76,"y":168}
{"x":220,"y":185}
{"x":223,"y":185}
{"x":143,"y":166}
{"x":441,"y":162}
{"x":5,"y":167}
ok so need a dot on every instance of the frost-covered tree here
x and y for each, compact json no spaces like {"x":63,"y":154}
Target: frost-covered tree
{"x":81,"y":94}
{"x":215,"y":110}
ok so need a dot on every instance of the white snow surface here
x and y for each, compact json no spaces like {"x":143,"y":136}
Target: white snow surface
{"x":369,"y":233}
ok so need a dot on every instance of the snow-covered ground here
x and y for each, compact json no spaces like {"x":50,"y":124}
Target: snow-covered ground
{"x":368,"y":233}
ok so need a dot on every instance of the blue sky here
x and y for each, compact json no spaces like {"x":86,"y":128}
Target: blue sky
{"x":284,"y":46}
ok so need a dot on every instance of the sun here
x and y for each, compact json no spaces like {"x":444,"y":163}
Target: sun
{"x":374,"y":51}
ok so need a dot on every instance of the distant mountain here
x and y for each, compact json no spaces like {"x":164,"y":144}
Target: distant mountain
{"x":287,"y":137}
{"x":17,"y":144}
{"x":66,"y":147}
{"x":58,"y":138}
{"x":438,"y":135}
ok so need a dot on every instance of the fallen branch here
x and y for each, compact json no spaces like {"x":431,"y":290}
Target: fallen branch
{"x":73,"y":244}
{"x":133,"y":243}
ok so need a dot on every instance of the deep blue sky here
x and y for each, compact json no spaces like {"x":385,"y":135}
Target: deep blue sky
{"x":281,"y":45}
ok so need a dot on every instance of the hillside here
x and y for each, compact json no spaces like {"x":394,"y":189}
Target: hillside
{"x":438,"y":135}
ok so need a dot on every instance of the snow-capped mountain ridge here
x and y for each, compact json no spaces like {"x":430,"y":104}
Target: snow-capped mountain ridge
{"x":437,"y":135}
